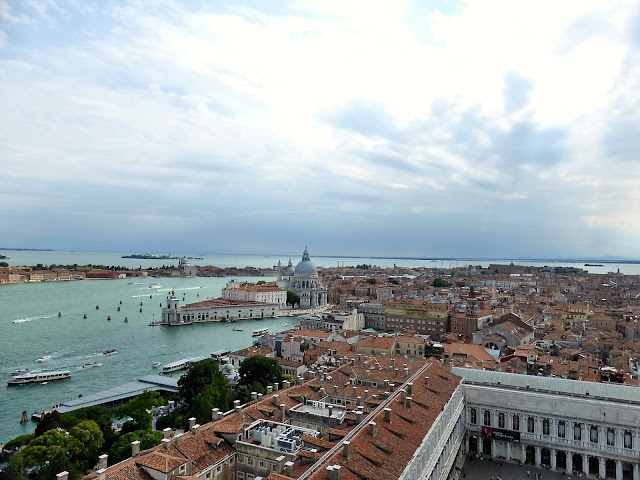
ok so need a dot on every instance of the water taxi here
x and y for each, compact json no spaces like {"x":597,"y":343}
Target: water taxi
{"x":259,"y":332}
{"x":155,"y":285}
{"x":156,"y":364}
{"x":43,"y":377}
{"x":45,"y":358}
{"x":91,"y":364}
{"x":110,"y":352}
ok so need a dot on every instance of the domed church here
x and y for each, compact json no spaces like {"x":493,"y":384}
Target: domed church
{"x":303,"y":280}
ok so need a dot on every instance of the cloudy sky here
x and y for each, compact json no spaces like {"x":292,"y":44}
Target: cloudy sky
{"x":413,"y":128}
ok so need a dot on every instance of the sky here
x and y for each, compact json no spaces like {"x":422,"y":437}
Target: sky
{"x":494,"y":128}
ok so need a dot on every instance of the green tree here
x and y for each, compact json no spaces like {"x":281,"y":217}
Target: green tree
{"x":289,"y":378}
{"x":260,"y":282}
{"x":4,"y":264}
{"x":48,"y":451}
{"x":265,"y":371}
{"x":121,"y":450}
{"x":371,"y":281}
{"x":137,"y":408}
{"x":85,"y":439}
{"x":440,"y":283}
{"x":201,"y":375}
{"x":292,"y":298}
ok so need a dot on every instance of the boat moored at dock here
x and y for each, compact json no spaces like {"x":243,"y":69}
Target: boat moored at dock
{"x":39,"y":377}
{"x":175,"y":366}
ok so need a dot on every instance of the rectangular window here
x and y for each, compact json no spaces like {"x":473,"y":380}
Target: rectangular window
{"x":561,"y":429}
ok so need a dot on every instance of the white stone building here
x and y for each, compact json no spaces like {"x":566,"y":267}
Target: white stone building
{"x":250,"y":292}
{"x":303,"y":280}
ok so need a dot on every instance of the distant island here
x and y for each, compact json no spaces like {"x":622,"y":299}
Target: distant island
{"x":151,"y":256}
{"x":593,"y":265}
{"x":2,"y":257}
{"x":27,"y":249}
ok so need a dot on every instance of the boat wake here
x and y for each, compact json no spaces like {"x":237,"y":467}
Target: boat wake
{"x":37,"y":317}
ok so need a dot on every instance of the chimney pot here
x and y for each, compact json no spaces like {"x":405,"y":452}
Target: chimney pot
{"x":179,"y":438}
{"x":166,"y":433}
{"x":372,"y":428}
{"x":409,"y":402}
{"x":195,"y":429}
{"x":275,"y":399}
{"x":313,"y":451}
{"x":288,"y":467}
{"x":101,"y":474}
{"x":403,"y":396}
{"x":269,"y":388}
{"x":135,"y":448}
{"x":406,"y":372}
{"x":355,"y":391}
{"x":387,"y":415}
{"x":275,"y":387}
{"x":192,"y":422}
{"x":102,"y":460}
{"x":345,"y":449}
{"x":215,"y":414}
{"x":166,"y":442}
{"x":426,"y":380}
{"x":409,"y":388}
{"x":62,"y":475}
{"x":254,"y":395}
{"x":259,"y":396}
{"x":282,"y":411}
{"x":335,"y":389}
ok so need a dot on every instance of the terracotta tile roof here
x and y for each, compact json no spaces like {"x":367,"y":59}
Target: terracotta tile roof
{"x":162,"y":462}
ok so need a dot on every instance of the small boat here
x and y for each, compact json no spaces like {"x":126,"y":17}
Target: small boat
{"x":156,"y":364}
{"x":110,"y":352}
{"x":155,"y":285}
{"x":175,"y":366}
{"x":21,"y":371}
{"x":286,"y":324}
{"x":44,"y":358}
{"x":259,"y":332}
{"x":91,"y":364}
{"x":237,"y":330}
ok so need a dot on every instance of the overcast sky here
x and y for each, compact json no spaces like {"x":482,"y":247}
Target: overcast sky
{"x":410,"y":128}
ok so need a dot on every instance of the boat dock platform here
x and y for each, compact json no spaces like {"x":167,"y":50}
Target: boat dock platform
{"x":118,"y":395}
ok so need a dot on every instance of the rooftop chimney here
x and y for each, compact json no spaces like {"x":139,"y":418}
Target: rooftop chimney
{"x":408,"y":402}
{"x":372,"y":428}
{"x":366,"y":394}
{"x":335,"y":389}
{"x":101,"y":474}
{"x":386,"y":384}
{"x":282,"y":411}
{"x":135,"y":448}
{"x":275,"y":387}
{"x":288,"y":468}
{"x":345,"y":449}
{"x":403,"y":396}
{"x":259,"y":396}
{"x":286,"y":384}
{"x":192,"y":422}
{"x":355,"y":391}
{"x":102,"y":460}
{"x":166,"y":433}
{"x":269,"y":388}
{"x":179,"y":438}
{"x":359,"y":415}
{"x":313,"y":451}
{"x":393,"y":363}
{"x":426,"y":380}
{"x":275,"y":400}
{"x":165,"y":442}
{"x":215,"y":414}
{"x":406,"y":372}
{"x":333,"y":472}
{"x":195,"y":429}
{"x":387,"y":415}
{"x":323,"y":392}
{"x":254,"y":395}
{"x":409,"y":388}
{"x":395,"y":372}
{"x":62,"y":475}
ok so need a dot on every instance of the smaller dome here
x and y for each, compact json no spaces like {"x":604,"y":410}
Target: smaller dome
{"x":289,"y":271}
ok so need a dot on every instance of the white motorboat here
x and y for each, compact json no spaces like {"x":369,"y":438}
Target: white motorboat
{"x":156,"y":364}
{"x":155,"y":285}
{"x":44,"y":358}
{"x":91,"y":364}
{"x":21,"y":371}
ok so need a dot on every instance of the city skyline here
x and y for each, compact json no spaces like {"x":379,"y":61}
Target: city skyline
{"x":411,"y":129}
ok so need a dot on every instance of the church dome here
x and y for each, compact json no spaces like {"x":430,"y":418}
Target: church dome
{"x":306,"y":266}
{"x":289,"y":271}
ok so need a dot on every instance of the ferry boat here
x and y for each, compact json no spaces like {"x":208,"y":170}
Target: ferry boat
{"x":21,"y":371}
{"x":91,"y":364}
{"x":39,"y":377}
{"x":110,"y":352}
{"x":155,"y":285}
{"x":45,"y":358}
{"x":259,"y":332}
{"x":175,"y":366}
{"x":156,"y":364}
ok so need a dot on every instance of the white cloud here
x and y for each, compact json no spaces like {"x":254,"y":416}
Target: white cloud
{"x":325,"y":106}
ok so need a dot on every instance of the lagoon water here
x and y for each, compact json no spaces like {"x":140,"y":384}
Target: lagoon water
{"x":30,"y":326}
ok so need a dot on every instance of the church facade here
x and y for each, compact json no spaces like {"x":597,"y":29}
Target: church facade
{"x":303,"y":280}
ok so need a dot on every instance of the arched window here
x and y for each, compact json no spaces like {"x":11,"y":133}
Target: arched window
{"x":628,"y":439}
{"x":501,"y":422}
{"x":561,"y":429}
{"x":611,"y":437}
{"x":593,"y":434}
{"x":473,"y":416}
{"x":516,"y":423}
{"x":531,"y":425}
{"x":487,"y":418}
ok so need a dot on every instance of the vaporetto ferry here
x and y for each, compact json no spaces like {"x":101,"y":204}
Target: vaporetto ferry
{"x":39,"y":377}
